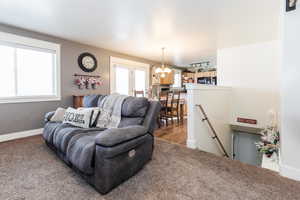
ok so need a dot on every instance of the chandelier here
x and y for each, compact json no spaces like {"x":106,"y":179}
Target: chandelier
{"x":163,"y":69}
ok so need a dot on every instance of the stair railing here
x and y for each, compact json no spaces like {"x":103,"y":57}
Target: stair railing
{"x":214,"y":133}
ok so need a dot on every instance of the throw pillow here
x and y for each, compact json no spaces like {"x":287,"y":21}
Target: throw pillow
{"x":58,"y":115}
{"x":79,"y":118}
{"x":95,"y":116}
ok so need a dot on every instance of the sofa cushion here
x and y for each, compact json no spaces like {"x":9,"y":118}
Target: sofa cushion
{"x":90,"y":100}
{"x":135,"y":107}
{"x":62,"y":137}
{"x":50,"y":129}
{"x":80,"y":152}
{"x":130,"y":121}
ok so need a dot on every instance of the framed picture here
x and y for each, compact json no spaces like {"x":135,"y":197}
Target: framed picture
{"x":291,"y":5}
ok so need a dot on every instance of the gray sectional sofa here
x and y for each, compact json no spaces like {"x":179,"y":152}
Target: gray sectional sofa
{"x":106,"y":157}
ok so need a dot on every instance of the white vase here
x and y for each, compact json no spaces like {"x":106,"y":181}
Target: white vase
{"x":271,"y":163}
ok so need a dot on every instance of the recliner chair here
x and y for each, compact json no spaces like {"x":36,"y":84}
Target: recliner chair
{"x":107,"y":157}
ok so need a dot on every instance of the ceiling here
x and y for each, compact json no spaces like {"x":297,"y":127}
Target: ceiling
{"x":191,"y":30}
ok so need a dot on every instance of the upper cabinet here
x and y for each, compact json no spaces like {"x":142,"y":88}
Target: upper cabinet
{"x":188,"y":77}
{"x":158,"y":80}
{"x":168,"y":79}
{"x":206,"y":74}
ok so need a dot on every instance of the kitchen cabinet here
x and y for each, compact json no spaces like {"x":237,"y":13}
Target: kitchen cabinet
{"x":188,"y":77}
{"x":206,"y":74}
{"x":208,"y":77}
{"x":158,"y":80}
{"x":168,"y":79}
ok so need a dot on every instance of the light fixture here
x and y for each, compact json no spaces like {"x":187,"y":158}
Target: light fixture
{"x":163,"y":69}
{"x":158,"y":70}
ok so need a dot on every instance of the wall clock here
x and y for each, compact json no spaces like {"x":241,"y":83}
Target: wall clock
{"x":87,"y":62}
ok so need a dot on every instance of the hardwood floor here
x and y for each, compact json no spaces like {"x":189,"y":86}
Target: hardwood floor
{"x":173,"y":133}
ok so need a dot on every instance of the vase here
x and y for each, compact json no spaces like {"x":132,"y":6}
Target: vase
{"x":271,"y":163}
{"x":94,"y":86}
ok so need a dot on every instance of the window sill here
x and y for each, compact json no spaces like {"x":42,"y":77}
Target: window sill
{"x":29,"y":99}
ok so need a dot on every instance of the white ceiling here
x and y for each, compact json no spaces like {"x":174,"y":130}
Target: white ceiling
{"x":191,"y":30}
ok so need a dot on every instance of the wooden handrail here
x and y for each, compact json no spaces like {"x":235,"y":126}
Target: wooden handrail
{"x":215,"y":136}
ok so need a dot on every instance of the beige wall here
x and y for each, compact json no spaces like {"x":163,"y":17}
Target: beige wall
{"x":253,"y":73}
{"x":26,"y":116}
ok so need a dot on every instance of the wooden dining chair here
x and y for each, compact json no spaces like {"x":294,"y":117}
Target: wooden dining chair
{"x":139,"y":93}
{"x":173,"y":110}
{"x":164,"y":101}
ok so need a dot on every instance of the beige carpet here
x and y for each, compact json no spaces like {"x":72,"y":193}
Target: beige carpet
{"x":29,"y":170}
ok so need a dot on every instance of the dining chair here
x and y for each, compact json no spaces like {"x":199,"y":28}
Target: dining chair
{"x":164,"y":98}
{"x":173,"y":109}
{"x":138,"y":93}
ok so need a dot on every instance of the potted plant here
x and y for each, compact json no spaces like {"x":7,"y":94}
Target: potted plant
{"x":270,"y":143}
{"x":88,"y":83}
{"x":80,"y":82}
{"x":95,"y":83}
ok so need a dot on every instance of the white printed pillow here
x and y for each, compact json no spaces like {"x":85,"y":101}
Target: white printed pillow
{"x":95,"y":113}
{"x":79,"y":118}
{"x":58,"y":115}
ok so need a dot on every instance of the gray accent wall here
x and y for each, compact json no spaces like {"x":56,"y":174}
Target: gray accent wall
{"x":16,"y":117}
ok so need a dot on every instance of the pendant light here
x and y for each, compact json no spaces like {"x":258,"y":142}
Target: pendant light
{"x":163,"y":69}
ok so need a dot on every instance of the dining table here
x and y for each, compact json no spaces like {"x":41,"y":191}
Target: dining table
{"x":182,"y":105}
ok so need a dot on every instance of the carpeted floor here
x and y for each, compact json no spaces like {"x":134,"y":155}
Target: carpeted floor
{"x":29,"y":170}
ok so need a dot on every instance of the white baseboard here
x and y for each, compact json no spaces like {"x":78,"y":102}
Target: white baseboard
{"x":290,"y":172}
{"x":22,"y":134}
{"x":191,"y":144}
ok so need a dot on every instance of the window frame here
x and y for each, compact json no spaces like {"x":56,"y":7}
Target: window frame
{"x":17,"y":41}
{"x":131,"y":65}
{"x":177,"y":71}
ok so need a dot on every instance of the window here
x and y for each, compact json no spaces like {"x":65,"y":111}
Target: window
{"x":30,"y":69}
{"x":140,"y":80}
{"x":122,"y":80}
{"x":177,"y":79}
{"x":127,"y":76}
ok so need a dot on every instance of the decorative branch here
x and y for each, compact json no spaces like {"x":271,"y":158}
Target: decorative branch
{"x":84,"y":75}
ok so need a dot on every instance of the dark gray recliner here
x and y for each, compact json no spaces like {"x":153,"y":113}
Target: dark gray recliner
{"x":107,"y":157}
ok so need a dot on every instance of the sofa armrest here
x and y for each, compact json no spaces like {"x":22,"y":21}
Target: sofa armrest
{"x":48,"y":116}
{"x":115,"y":136}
